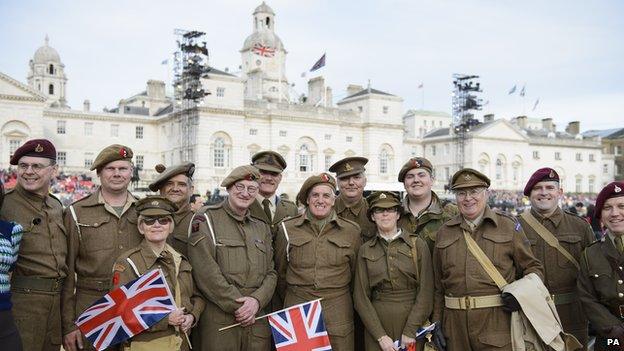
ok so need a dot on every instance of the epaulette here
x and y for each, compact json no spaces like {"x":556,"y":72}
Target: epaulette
{"x":8,"y":191}
{"x":81,"y":199}
{"x":575,"y":215}
{"x":214,"y":206}
{"x":349,"y":221}
{"x":56,"y":198}
{"x":287,"y":219}
{"x":509,"y":216}
{"x":601,"y":240}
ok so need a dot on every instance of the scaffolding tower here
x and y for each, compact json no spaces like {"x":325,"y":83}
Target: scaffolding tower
{"x":465,"y":102}
{"x":190,"y":66}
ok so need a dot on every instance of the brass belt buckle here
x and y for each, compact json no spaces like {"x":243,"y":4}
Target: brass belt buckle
{"x":621,"y":308}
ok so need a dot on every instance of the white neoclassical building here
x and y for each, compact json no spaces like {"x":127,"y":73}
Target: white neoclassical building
{"x":255,"y":111}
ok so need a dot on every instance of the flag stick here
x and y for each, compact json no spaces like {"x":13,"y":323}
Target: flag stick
{"x":268,"y":314}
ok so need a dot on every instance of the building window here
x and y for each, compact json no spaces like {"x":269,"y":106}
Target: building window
{"x":51,"y":69}
{"x":440,"y":123}
{"x":618,"y":170}
{"x":433,"y":150}
{"x":327,"y":136}
{"x":425,"y":122}
{"x":591,"y":158}
{"x":61,"y":158}
{"x":305,"y":159}
{"x":536,"y":155}
{"x":617,"y":150}
{"x":499,"y":169}
{"x":385,"y":109}
{"x":579,"y":184}
{"x":273,"y":89}
{"x":328,"y":162}
{"x":349,"y":139}
{"x":88,"y":159}
{"x":360,"y":109}
{"x":383,"y":162}
{"x":139,"y":161}
{"x":558,"y":156}
{"x":60,"y":127}
{"x":605,"y":168}
{"x":88,"y":128}
{"x":219,"y":153}
{"x":447,"y":149}
{"x":579,"y":156}
{"x":447,"y":174}
{"x":138,"y":133}
{"x":282,"y":133}
{"x":220,"y":92}
{"x":13,"y":145}
{"x":51,"y":89}
{"x":115,"y":130}
{"x":590,"y":185}
{"x":253,"y":132}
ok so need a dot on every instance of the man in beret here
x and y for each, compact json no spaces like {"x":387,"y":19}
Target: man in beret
{"x":557,"y":239}
{"x":424,"y":212}
{"x":40,"y":270}
{"x":232,"y":258}
{"x":601,"y":279}
{"x":269,"y":207}
{"x":101,"y":226}
{"x":351,"y":204}
{"x":176,"y":184}
{"x":315,"y":256}
{"x":482,"y":323}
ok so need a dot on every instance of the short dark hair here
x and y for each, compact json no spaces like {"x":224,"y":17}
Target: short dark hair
{"x":193,"y":197}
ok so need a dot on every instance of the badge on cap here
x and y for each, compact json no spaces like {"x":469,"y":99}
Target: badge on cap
{"x":123,"y":152}
{"x":270,"y":160}
{"x":39,"y":148}
{"x":348,"y":167}
{"x":617,"y":189}
{"x":415,"y":163}
{"x":324,"y":177}
{"x":552,"y":174}
{"x":154,"y":203}
{"x":467,"y":177}
{"x":250,"y":177}
{"x":382,"y":196}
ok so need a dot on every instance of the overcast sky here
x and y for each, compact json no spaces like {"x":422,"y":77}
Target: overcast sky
{"x":569,"y":54}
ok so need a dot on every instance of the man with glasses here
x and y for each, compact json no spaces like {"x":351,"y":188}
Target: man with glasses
{"x":557,"y":239}
{"x":232,"y":258}
{"x":467,"y":302}
{"x":101,"y":227}
{"x":176,"y":184}
{"x":269,"y":207}
{"x":40,"y":270}
{"x":423,"y":212}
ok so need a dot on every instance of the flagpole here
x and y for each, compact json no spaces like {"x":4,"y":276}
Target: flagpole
{"x":270,"y":314}
{"x":422,"y":107}
{"x":279,"y":59}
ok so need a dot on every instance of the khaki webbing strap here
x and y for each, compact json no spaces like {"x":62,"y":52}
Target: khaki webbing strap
{"x":548,"y":237}
{"x":73,"y":213}
{"x":287,"y":242}
{"x":415,"y":258}
{"x":485,"y":262}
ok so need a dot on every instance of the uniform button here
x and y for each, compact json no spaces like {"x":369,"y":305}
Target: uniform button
{"x":120,"y":247}
{"x":95,"y":224}
{"x":620,"y":295}
{"x":620,"y":281}
{"x":595,"y":275}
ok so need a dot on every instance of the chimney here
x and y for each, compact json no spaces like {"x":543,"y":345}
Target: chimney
{"x":573,"y":127}
{"x":548,"y":125}
{"x":328,"y":97}
{"x":86,"y":106}
{"x":316,"y":90}
{"x":353,"y":88}
{"x":156,"y":89}
{"x":522,"y":122}
{"x":488,"y":118}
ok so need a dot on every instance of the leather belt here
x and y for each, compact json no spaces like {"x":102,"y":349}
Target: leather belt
{"x":565,"y":298}
{"x":472,"y":302}
{"x":96,"y":285}
{"x":26,"y":283}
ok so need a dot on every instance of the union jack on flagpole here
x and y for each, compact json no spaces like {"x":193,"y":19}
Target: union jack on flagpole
{"x":300,"y":328}
{"x":127,"y":310}
{"x":262,"y":50}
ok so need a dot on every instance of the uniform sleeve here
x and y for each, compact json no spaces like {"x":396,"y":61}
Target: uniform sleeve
{"x":524,"y":260}
{"x":206,"y":272}
{"x":265,"y":292}
{"x":588,"y":235}
{"x":424,"y":300}
{"x":357,"y":243}
{"x":68,"y":297}
{"x":438,"y":289}
{"x":197,"y":302}
{"x":362,"y":302}
{"x":597,"y":313}
{"x":281,"y":261}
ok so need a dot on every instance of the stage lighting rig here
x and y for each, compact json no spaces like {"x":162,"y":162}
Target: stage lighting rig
{"x":465,"y":101}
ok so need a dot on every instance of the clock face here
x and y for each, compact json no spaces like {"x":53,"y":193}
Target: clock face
{"x":258,"y":62}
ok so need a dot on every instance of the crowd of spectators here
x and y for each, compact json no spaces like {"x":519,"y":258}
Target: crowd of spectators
{"x":67,"y":187}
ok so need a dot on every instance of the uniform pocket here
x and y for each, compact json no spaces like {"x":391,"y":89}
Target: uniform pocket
{"x":405,"y":261}
{"x":262,"y":254}
{"x":301,"y":252}
{"x":603,"y":282}
{"x":499,"y":247}
{"x":231,"y":256}
{"x":375,"y":267}
{"x":572,"y":244}
{"x":495,"y":340}
{"x":340,"y":251}
{"x":91,"y":234}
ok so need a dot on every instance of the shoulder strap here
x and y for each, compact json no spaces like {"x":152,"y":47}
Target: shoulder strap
{"x":287,"y":242}
{"x":73,"y":213}
{"x":134,"y":267}
{"x":548,"y":237}
{"x":415,"y":258}
{"x":485,"y":262}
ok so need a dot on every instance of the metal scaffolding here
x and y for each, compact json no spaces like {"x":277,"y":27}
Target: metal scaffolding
{"x":465,"y":101}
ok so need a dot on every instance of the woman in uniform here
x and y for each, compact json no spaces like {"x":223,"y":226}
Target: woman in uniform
{"x":155,"y":223}
{"x":393,"y":290}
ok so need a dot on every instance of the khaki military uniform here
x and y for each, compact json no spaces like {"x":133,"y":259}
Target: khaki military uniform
{"x":393,"y":290}
{"x":233,"y":260}
{"x":458,"y":274}
{"x":178,"y":239}
{"x":177,"y":272}
{"x":283,"y":209}
{"x":574,"y":235}
{"x":40,"y":269}
{"x":601,"y":289}
{"x":314,"y":265}
{"x":428,"y":222}
{"x":93,"y":249}
{"x":357,"y":213}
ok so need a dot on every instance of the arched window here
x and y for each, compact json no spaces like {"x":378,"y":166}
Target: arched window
{"x":305,"y":160}
{"x":499,"y":169}
{"x":51,"y":89}
{"x":51,"y":69}
{"x":383,"y":162}
{"x":219,"y":153}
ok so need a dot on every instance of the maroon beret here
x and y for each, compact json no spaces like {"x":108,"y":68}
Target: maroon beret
{"x":545,"y":174}
{"x":613,"y":189}
{"x":36,"y":148}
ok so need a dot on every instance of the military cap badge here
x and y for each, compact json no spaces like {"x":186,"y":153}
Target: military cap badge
{"x":324,"y":177}
{"x":250,"y":177}
{"x":552,"y":174}
{"x":123,"y":152}
{"x":617,"y":189}
{"x":415,"y":162}
{"x":382,"y":196}
{"x":467,"y":177}
{"x":154,"y":203}
{"x":270,"y":160}
{"x":39,"y":148}
{"x":348,"y":167}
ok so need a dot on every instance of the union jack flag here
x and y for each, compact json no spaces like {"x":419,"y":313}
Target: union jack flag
{"x":127,"y":310}
{"x":300,"y":328}
{"x":262,"y":50}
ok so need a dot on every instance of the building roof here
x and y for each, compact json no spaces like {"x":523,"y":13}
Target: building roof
{"x":264,"y":8}
{"x":46,"y":54}
{"x":164,"y":110}
{"x":132,"y":110}
{"x":368,"y":91}
{"x":604,"y":133}
{"x":428,"y":113}
{"x":438,"y":132}
{"x":212,"y":70}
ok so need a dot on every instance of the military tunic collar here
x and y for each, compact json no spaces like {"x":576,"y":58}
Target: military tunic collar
{"x":488,"y":214}
{"x":341,"y":205}
{"x":434,"y":207}
{"x":35,"y":200}
{"x":150,"y":257}
{"x":182,"y":213}
{"x":228,"y":209}
{"x":303,"y":219}
{"x":555,"y":218}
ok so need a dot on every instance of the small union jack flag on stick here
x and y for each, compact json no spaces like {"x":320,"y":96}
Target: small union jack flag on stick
{"x":262,"y":50}
{"x":127,"y":310}
{"x":300,"y":328}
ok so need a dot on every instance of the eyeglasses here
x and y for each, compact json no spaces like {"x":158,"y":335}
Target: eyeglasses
{"x":36,"y":167}
{"x":251,"y":190}
{"x":161,"y":220}
{"x":462,"y":194}
{"x":385,"y":210}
